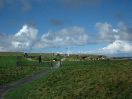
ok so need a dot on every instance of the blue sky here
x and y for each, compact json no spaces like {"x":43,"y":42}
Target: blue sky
{"x":52,"y":25}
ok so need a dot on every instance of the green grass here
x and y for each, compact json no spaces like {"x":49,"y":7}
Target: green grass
{"x":8,"y":61}
{"x":14,"y":66}
{"x":81,"y":80}
{"x":11,"y":71}
{"x":11,"y":53}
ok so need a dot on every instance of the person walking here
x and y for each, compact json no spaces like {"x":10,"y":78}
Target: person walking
{"x":40,"y":59}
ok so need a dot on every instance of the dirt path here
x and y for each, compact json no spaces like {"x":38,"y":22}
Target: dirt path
{"x":4,"y":89}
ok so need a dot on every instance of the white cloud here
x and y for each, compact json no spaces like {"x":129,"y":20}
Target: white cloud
{"x":106,"y":32}
{"x":109,"y":34}
{"x":25,"y":38}
{"x":119,"y":39}
{"x":67,"y":36}
{"x":125,"y":32}
{"x":118,"y":46}
{"x":115,"y":30}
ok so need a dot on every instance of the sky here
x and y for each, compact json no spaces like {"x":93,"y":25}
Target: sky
{"x":72,"y":26}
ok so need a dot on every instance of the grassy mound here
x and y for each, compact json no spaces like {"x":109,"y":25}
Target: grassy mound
{"x":81,"y":80}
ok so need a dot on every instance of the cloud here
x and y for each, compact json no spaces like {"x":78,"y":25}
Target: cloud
{"x":5,"y":42}
{"x":119,"y":39}
{"x":2,"y":3}
{"x":124,"y":31}
{"x":106,"y":32}
{"x":118,"y":46}
{"x":55,"y":22}
{"x":25,"y":38}
{"x":109,"y":34}
{"x":65,"y":37}
{"x":78,"y":3}
{"x":5,"y":3}
{"x":120,"y":15}
{"x":25,"y":5}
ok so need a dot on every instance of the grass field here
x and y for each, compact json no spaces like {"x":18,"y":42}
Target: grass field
{"x":13,"y":68}
{"x":11,"y":53}
{"x":107,"y":79}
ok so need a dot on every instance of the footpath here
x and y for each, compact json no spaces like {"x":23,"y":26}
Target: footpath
{"x":5,"y":88}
